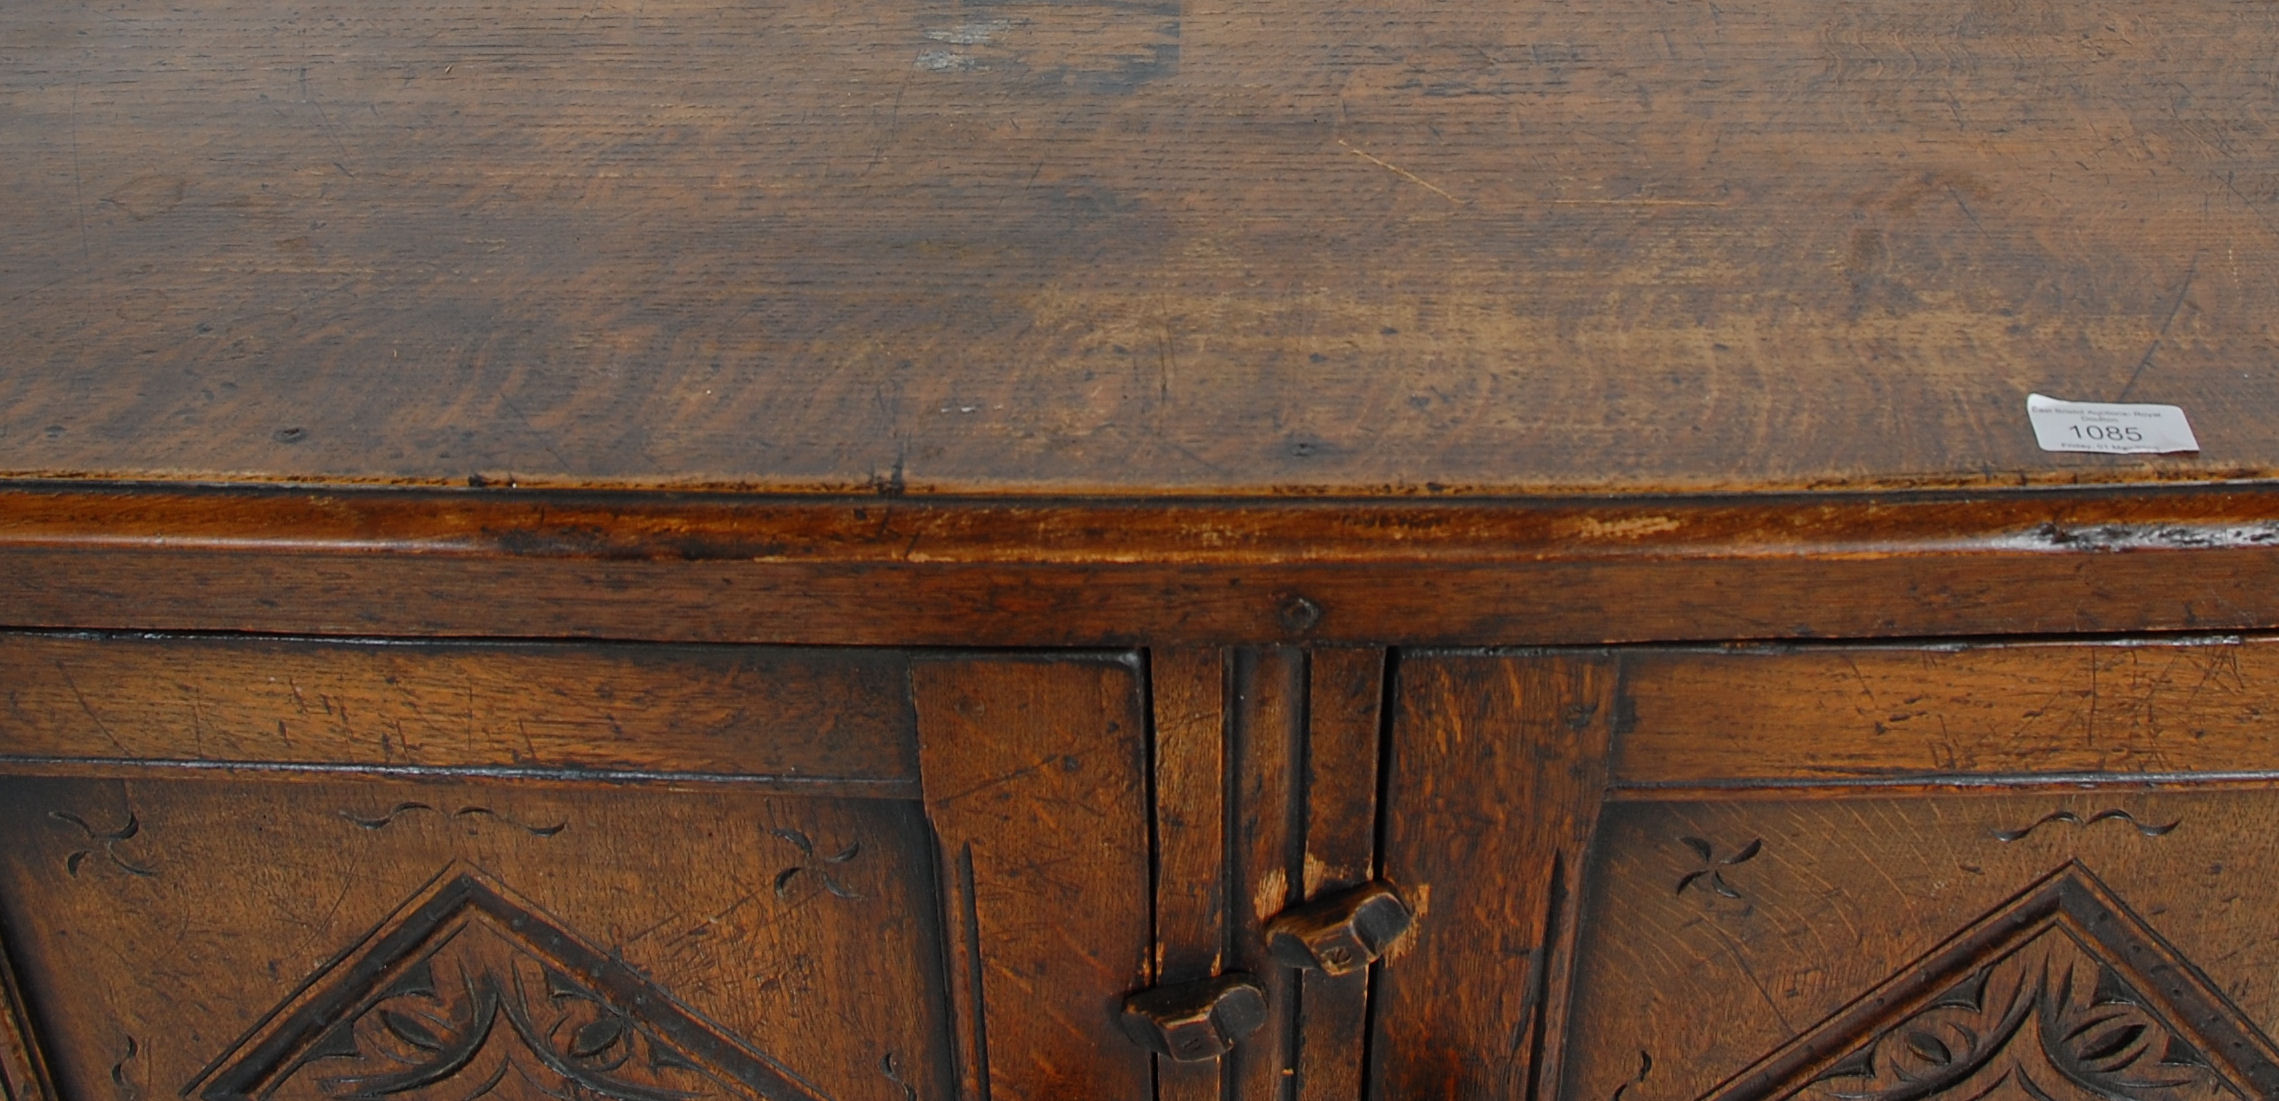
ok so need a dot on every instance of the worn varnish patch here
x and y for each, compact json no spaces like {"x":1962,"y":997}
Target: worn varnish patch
{"x":1108,"y":46}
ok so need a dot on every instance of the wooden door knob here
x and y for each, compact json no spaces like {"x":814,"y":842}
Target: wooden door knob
{"x":1196,"y":1020}
{"x":1341,"y":932}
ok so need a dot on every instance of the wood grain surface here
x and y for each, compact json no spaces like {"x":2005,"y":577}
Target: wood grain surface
{"x":1188,"y":692}
{"x":1720,"y":932}
{"x":799,"y":718}
{"x":1496,"y":771}
{"x":1076,"y":573}
{"x":1036,"y":786}
{"x":1345,"y":698}
{"x":715,"y":943}
{"x":2138,"y":709}
{"x":1170,"y":245}
{"x":1266,"y":761}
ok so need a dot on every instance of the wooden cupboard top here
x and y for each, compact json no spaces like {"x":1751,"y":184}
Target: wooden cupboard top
{"x":1133,"y":246}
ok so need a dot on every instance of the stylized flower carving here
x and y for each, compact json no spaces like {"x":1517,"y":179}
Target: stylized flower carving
{"x":2048,"y":1022}
{"x":468,"y":991}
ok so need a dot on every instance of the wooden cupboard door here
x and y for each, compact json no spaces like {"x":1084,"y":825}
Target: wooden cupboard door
{"x":2063,"y":944}
{"x":322,"y":871}
{"x":1858,"y":873}
{"x":1494,"y":776}
{"x":1036,"y":784}
{"x":445,"y":940}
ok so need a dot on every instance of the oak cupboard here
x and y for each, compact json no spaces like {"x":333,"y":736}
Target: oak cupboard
{"x":1135,"y":549}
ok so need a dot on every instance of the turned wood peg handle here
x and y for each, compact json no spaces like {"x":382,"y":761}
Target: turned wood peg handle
{"x":1197,"y":1020}
{"x":1339,"y":933}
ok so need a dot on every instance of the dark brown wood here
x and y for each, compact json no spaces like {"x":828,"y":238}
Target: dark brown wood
{"x":190,"y":936}
{"x":1188,"y":247}
{"x":1344,"y":713}
{"x":1265,"y":857}
{"x":819,"y":719}
{"x":2123,"y":1024}
{"x":1847,"y":714}
{"x":1763,"y":947}
{"x":1077,"y":531}
{"x":1340,"y":933}
{"x":1497,"y":767}
{"x":1189,"y":690}
{"x":483,"y":489}
{"x":1035,"y":774}
{"x":1195,"y":1022}
{"x":23,"y":1068}
{"x":950,"y":574}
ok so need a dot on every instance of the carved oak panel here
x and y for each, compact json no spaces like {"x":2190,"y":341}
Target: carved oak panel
{"x":467,"y":985}
{"x":437,"y":942}
{"x":2061,"y":992}
{"x":2054,"y":946}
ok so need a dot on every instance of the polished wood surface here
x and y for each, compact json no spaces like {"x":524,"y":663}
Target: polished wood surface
{"x":1902,"y":714}
{"x":2006,"y":925}
{"x":1839,"y":930}
{"x":1093,"y":573}
{"x":1131,"y":248}
{"x":934,"y":550}
{"x":1497,"y":769}
{"x":277,"y":939}
{"x":1036,"y":787}
{"x":822,"y":720}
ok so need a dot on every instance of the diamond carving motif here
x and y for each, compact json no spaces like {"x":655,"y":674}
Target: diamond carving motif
{"x":2061,"y":994}
{"x":467,"y":992}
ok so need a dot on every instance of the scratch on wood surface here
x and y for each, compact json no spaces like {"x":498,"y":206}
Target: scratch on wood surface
{"x":1635,"y":202}
{"x":2167,"y":321}
{"x":100,"y":726}
{"x":78,"y":181}
{"x":1403,"y":173}
{"x":1741,"y":960}
{"x":995,"y":781}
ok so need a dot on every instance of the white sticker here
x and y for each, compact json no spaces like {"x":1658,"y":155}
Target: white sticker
{"x":2108,"y":428}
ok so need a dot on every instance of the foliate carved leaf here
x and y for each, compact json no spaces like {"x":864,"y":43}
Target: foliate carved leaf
{"x":468,"y":992}
{"x":2061,"y":994}
{"x":2048,"y":1021}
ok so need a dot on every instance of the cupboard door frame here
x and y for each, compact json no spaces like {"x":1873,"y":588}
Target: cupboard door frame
{"x":984,"y":744}
{"x":1507,"y":769}
{"x":1035,"y":774}
{"x":1472,"y":1003}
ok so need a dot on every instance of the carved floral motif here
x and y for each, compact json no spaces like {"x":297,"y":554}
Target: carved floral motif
{"x":2049,"y":1022}
{"x":1709,"y":876}
{"x":106,"y":842}
{"x":469,"y":992}
{"x":478,"y":1012}
{"x":2060,"y":994}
